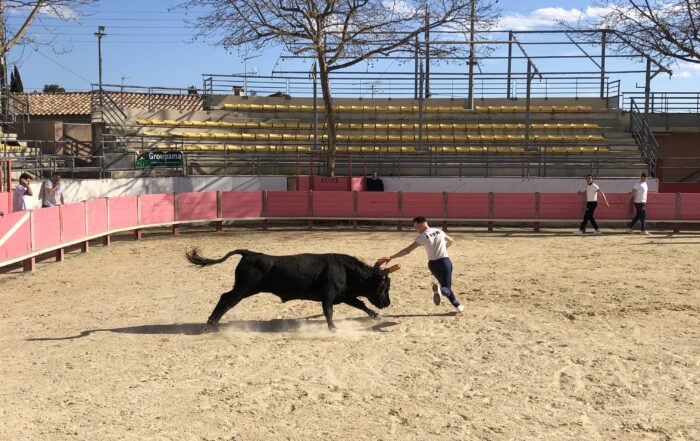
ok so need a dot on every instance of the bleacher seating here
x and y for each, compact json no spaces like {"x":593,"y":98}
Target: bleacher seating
{"x":280,"y":126}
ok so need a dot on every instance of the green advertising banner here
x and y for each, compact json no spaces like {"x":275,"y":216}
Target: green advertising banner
{"x":158,"y":159}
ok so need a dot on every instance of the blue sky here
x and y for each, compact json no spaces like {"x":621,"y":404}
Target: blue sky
{"x":148,"y":45}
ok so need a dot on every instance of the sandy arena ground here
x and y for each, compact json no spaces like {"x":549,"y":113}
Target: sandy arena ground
{"x":594,"y":338}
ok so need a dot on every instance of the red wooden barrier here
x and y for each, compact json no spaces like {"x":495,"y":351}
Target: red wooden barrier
{"x":14,"y":235}
{"x":690,"y":206}
{"x":47,"y":227}
{"x":377,"y":205}
{"x":236,"y":204}
{"x":157,"y":208}
{"x":619,"y":208}
{"x":428,"y":204}
{"x":514,"y":206}
{"x":73,"y":221}
{"x":661,"y":206}
{"x":197,"y":206}
{"x":122,"y":212}
{"x":561,"y":206}
{"x":332,"y":204}
{"x":287,"y":204}
{"x":97,"y":216}
{"x":467,"y":205}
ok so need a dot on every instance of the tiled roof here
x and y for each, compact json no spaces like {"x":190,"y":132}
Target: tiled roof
{"x":78,"y":103}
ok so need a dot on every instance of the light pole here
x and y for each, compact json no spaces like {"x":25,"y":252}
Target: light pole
{"x":99,"y":34}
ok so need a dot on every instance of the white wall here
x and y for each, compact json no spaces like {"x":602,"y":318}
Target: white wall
{"x":78,"y":190}
{"x":511,"y":185}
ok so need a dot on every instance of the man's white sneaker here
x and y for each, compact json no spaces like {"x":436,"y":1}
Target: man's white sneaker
{"x":578,"y":233}
{"x":598,"y":233}
{"x":646,"y":232}
{"x":460,"y":308}
{"x":631,"y":231}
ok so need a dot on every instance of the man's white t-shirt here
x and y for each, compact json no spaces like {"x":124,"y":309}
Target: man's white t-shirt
{"x":52,"y":199}
{"x":433,"y":240}
{"x":592,"y":193}
{"x":640,"y":195}
{"x":18,"y":199}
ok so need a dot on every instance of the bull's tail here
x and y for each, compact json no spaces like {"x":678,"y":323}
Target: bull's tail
{"x":197,"y":259}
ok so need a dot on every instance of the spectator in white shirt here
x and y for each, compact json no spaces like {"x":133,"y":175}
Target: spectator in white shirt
{"x":639,"y":195}
{"x":591,"y":191}
{"x":21,"y":193}
{"x":435,"y":242}
{"x":52,"y":194}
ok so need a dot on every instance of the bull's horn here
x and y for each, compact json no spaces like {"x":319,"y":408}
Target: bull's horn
{"x":380,"y":262}
{"x":390,"y":270}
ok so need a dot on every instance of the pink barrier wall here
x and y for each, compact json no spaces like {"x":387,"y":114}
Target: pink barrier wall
{"x":468,"y":205}
{"x":97,"y":216}
{"x":73,"y":221}
{"x":332,"y":204}
{"x":47,"y":227}
{"x":241,"y":204}
{"x":287,"y":203}
{"x":619,"y":207}
{"x":690,"y":206}
{"x":122,"y":212}
{"x":323,"y":183}
{"x":661,"y":206}
{"x":561,"y":206}
{"x":428,"y":204}
{"x":514,"y":206}
{"x":371,"y":204}
{"x":157,"y":208}
{"x":196,"y":206}
{"x":5,"y":202}
{"x":18,"y":243}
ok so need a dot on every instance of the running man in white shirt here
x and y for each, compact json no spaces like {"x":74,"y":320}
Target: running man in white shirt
{"x":639,"y":195}
{"x":591,"y":191}
{"x":436,"y":243}
{"x":19,"y":194}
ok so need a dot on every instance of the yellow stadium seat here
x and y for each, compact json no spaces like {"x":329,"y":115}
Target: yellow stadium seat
{"x":143,"y":122}
{"x":569,"y":138}
{"x":584,"y":108}
{"x":354,"y":149}
{"x":593,"y":138}
{"x":432,"y":126}
{"x":247,"y":136}
{"x":281,"y":107}
{"x":254,"y":107}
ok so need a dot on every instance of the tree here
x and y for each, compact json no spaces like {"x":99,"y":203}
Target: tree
{"x":28,"y":11}
{"x":667,"y":29}
{"x":16,"y":85}
{"x":53,"y":88}
{"x":337,"y":34}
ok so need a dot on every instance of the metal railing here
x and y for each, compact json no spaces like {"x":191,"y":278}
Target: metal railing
{"x":644,"y":137}
{"x":402,"y":85}
{"x":29,"y":156}
{"x":177,"y":98}
{"x":665,"y":102}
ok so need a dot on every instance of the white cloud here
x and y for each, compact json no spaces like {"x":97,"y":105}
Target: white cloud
{"x":684,"y":74}
{"x":549,"y":17}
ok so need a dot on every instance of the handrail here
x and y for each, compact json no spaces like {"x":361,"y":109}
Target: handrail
{"x":665,"y":102}
{"x":644,"y":137}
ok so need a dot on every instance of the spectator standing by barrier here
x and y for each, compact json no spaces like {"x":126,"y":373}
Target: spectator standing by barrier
{"x":374,"y":183}
{"x":21,"y":192}
{"x":591,"y":192}
{"x":51,"y":192}
{"x":639,"y":196}
{"x":435,"y":242}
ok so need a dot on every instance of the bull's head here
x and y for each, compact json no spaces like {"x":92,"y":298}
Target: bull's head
{"x":381,"y":298}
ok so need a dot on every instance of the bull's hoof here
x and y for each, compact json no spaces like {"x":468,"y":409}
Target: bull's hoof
{"x":210,"y":327}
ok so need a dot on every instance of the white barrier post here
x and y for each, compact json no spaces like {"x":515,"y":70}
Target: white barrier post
{"x":107,"y":239}
{"x":85,"y":245}
{"x":30,"y":262}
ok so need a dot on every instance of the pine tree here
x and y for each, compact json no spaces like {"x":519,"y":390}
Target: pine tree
{"x":16,"y":85}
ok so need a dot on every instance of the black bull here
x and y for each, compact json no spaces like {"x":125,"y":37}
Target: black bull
{"x":328,"y":278}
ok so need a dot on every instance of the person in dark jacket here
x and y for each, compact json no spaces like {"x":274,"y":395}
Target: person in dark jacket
{"x":374,"y":183}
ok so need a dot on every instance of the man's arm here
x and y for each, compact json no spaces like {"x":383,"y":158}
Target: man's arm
{"x":604,"y":198}
{"x":62,"y":203}
{"x":25,"y":184}
{"x":401,"y":253}
{"x":449,"y":241}
{"x":632,"y":194}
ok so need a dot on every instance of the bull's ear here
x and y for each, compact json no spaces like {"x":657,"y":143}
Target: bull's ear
{"x":391,"y":269}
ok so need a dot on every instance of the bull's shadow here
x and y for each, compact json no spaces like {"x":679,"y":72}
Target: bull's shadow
{"x":262,"y":326}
